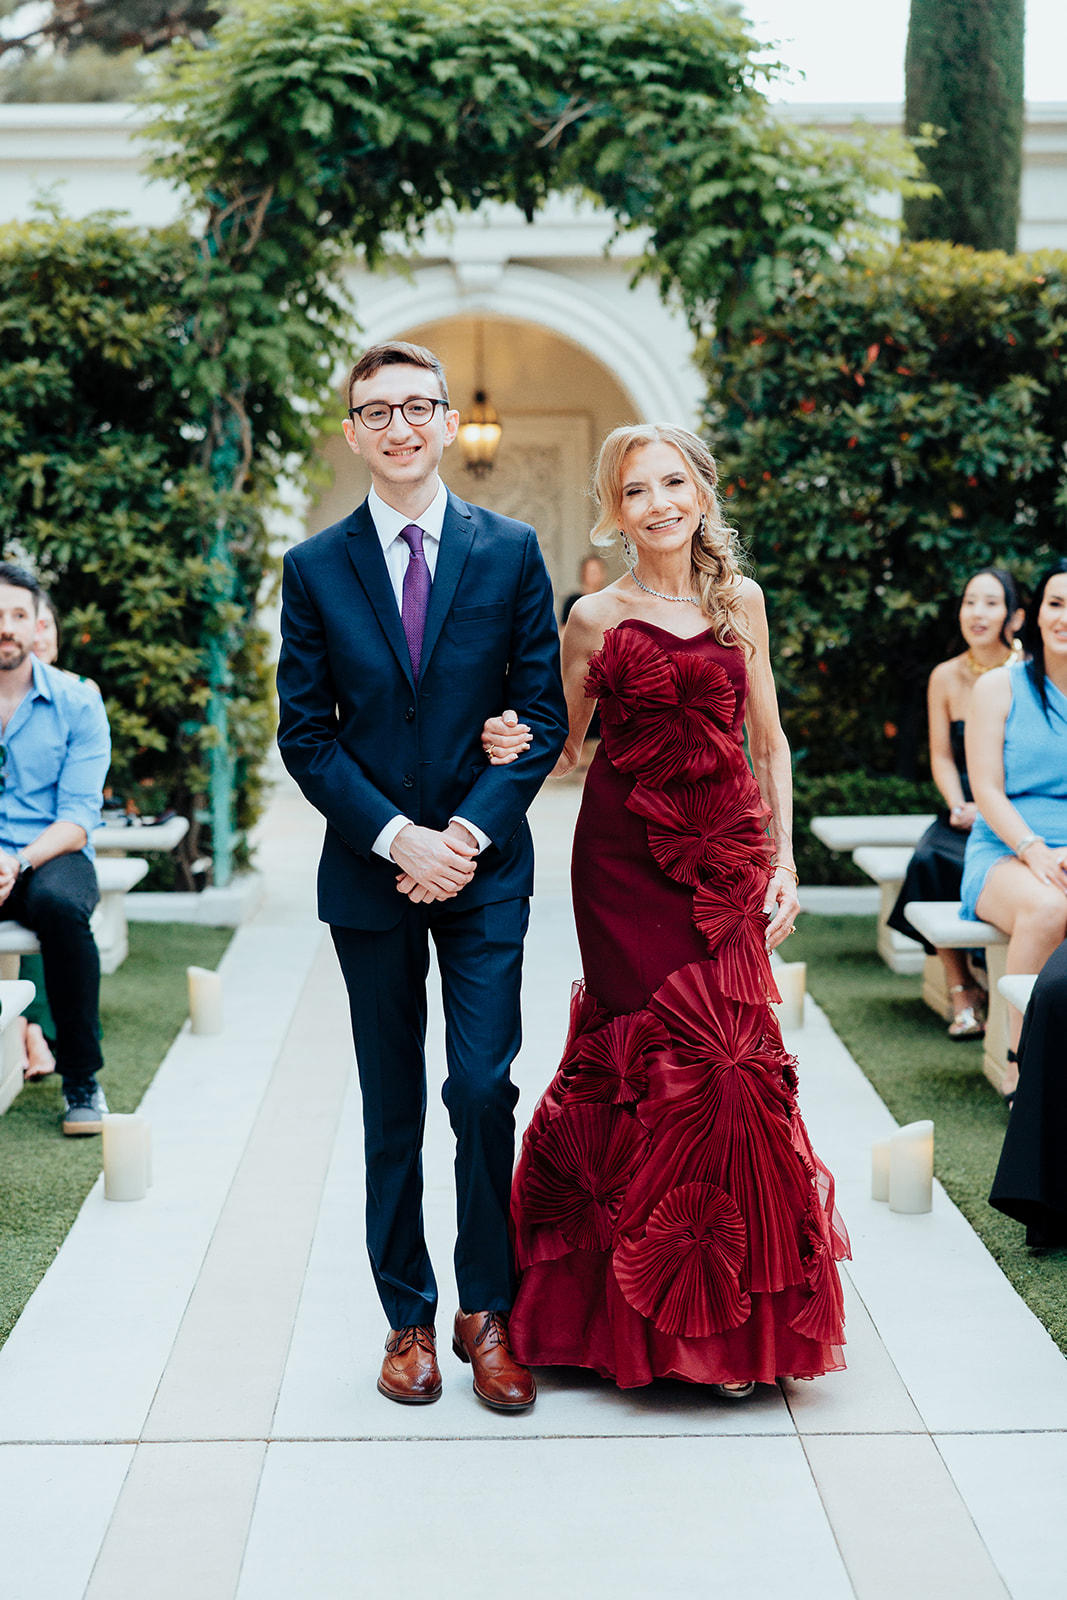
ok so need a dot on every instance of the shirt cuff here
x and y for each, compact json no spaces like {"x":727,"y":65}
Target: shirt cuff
{"x":483,"y":839}
{"x":381,"y":845}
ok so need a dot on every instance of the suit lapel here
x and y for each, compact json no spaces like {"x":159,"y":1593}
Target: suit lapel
{"x":457,"y":536}
{"x":365,"y":554}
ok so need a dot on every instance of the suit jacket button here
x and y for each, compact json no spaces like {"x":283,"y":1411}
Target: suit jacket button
{"x":408,"y":780}
{"x":409,"y":714}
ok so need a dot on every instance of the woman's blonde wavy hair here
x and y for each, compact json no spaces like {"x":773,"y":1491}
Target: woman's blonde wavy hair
{"x":716,"y":556}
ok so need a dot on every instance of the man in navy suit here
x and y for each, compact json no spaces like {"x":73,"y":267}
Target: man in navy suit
{"x":404,"y":627}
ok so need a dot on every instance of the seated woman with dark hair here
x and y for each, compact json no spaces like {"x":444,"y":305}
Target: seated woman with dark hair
{"x":989,"y":616}
{"x":1015,"y":869}
{"x":1031,"y":1180}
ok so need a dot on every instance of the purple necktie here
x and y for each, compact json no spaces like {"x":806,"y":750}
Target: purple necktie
{"x":416,"y":595}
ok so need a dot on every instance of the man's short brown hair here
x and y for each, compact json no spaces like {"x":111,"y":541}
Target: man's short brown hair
{"x":396,"y":353}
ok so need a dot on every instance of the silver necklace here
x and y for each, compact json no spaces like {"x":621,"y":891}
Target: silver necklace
{"x":685,"y":599}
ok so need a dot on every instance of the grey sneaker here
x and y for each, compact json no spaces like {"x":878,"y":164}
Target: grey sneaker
{"x":84,"y":1107}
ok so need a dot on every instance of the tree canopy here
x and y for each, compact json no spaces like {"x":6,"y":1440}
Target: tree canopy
{"x":318,"y":128}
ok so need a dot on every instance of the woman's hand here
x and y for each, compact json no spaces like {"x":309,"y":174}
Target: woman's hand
{"x":782,"y":905}
{"x":1048,"y":866}
{"x":504,"y":738}
{"x":962,"y":817}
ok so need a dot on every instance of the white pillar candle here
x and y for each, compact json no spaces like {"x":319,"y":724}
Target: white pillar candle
{"x":125,"y":1141}
{"x":880,"y":1169}
{"x":911,"y":1168}
{"x":791,"y":978}
{"x":205,"y":1000}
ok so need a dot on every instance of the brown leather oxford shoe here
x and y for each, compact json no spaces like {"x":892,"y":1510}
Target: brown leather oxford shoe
{"x":481,"y":1338}
{"x":410,"y":1374}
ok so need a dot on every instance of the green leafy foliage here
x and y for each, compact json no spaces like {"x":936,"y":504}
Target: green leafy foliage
{"x":895,"y":424}
{"x":318,"y":128}
{"x":103,"y":494}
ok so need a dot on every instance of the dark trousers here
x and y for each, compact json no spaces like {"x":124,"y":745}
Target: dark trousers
{"x":479,"y":953}
{"x":56,"y":901}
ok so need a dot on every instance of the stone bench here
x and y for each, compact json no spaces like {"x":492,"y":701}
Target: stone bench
{"x":139,"y":838}
{"x":116,"y":877}
{"x":855,"y":833}
{"x":15,"y":996}
{"x":1017,"y":987}
{"x":941,"y":923}
{"x":887,"y":864}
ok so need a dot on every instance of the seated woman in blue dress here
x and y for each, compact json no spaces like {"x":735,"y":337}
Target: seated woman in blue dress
{"x":1015,"y":868}
{"x":989,"y":617}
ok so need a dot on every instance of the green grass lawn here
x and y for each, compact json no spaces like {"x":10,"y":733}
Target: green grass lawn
{"x":903,"y":1048}
{"x":44,"y":1177}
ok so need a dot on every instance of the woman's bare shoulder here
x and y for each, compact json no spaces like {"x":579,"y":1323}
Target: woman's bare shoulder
{"x":598,"y":612}
{"x":992,"y":692}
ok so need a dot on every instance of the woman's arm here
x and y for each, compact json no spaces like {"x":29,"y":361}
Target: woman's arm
{"x":769,"y":752}
{"x":582,"y":638}
{"x":943,"y":769}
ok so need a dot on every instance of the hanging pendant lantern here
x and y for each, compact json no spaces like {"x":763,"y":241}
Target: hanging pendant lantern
{"x":479,"y":428}
{"x":479,"y":435}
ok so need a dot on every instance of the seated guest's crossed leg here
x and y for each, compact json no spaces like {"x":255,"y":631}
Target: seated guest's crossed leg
{"x":56,"y":902}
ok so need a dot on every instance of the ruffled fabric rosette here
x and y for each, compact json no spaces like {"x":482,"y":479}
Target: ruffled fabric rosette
{"x":666,"y":1183}
{"x":667,"y":720}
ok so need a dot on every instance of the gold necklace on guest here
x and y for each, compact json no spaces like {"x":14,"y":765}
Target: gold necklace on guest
{"x":979,"y":671}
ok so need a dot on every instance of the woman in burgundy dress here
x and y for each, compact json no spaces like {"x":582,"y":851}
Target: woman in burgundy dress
{"x":671,"y":1218}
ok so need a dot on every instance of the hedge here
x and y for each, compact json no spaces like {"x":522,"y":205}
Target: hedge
{"x":896,"y":423}
{"x":101,"y":491}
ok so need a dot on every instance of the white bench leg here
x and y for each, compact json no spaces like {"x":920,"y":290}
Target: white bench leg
{"x":112,"y":930}
{"x":10,"y":1064}
{"x":899,"y":953}
{"x":935,"y":987}
{"x":995,"y":1050}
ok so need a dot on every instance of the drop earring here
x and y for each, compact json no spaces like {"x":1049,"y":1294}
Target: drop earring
{"x":628,"y":551}
{"x":702,"y":526}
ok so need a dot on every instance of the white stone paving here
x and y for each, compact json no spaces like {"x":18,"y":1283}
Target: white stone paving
{"x":187,"y":1406}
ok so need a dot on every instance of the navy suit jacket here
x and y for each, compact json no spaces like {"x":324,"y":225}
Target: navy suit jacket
{"x":364,"y":743}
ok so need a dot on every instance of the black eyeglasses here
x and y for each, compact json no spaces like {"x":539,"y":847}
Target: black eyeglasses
{"x":377,"y":415}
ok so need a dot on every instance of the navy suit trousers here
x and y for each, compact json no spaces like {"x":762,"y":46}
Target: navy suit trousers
{"x":479,"y":953}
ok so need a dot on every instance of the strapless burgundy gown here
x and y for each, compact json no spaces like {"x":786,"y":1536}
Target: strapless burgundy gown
{"x":670,"y":1216}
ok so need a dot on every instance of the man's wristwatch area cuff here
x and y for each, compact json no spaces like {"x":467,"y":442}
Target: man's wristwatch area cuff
{"x":25,"y":864}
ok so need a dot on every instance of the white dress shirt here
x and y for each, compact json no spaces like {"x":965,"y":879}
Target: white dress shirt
{"x":388,"y":524}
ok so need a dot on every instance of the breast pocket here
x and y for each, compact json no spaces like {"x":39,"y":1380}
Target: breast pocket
{"x":472,"y":622}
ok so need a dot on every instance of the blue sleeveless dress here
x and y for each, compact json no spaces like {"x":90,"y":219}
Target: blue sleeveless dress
{"x":1035,"y":780}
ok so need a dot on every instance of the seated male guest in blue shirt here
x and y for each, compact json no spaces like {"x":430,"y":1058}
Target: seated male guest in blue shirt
{"x":55,"y":749}
{"x":403,"y":627}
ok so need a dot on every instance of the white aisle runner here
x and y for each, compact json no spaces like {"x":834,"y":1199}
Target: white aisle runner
{"x":189,"y":1408}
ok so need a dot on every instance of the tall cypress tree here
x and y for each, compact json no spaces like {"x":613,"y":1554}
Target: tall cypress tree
{"x":964,"y":73}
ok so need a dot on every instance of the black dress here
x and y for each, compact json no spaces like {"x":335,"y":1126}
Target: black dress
{"x":1031,"y":1180}
{"x":935,"y":871}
